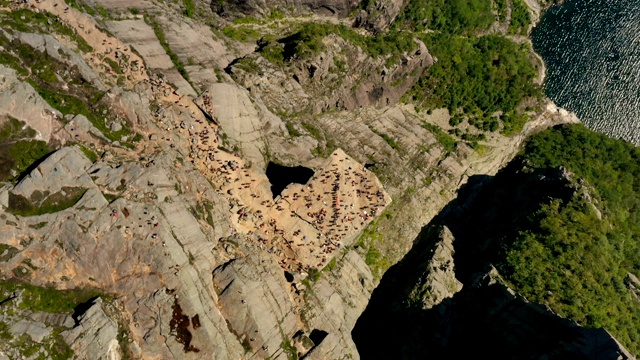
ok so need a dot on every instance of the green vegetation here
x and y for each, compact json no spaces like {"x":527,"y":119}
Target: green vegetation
{"x":513,"y":122}
{"x":331,"y":265}
{"x":501,"y":9}
{"x":388,"y":139}
{"x":293,"y":132}
{"x":447,"y":16}
{"x":69,"y":104}
{"x":242,"y":34}
{"x":374,"y":258}
{"x":477,"y":75}
{"x":189,"y":8}
{"x":45,"y":73}
{"x":163,"y":41}
{"x":17,"y":156}
{"x":289,"y":349}
{"x":81,"y":6}
{"x":7,"y":252}
{"x":26,"y":152}
{"x":565,"y":256}
{"x":306,"y":42}
{"x":113,"y":65}
{"x":25,"y":20}
{"x":313,"y":275}
{"x":5,"y":333}
{"x":520,"y":18}
{"x":92,"y":156}
{"x":444,"y":139}
{"x":15,"y":130}
{"x":36,"y":298}
{"x":312,"y":130}
{"x":19,"y":205}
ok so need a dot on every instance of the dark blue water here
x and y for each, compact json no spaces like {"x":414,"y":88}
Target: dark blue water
{"x":592,"y":52}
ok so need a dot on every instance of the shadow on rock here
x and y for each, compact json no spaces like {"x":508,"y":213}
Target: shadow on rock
{"x":417,"y":312}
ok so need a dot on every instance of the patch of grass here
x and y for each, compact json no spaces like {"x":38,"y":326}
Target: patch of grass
{"x":374,"y":258}
{"x":25,"y":20}
{"x":14,"y":130}
{"x":7,"y":252}
{"x":5,"y":333}
{"x":163,"y":41}
{"x":388,"y":139}
{"x":314,"y":275}
{"x":242,"y":34}
{"x":373,"y":255}
{"x":189,"y":8}
{"x":68,"y":104}
{"x":58,"y":348}
{"x":50,"y":300}
{"x":82,"y":98}
{"x":331,"y":265}
{"x":289,"y":349}
{"x":248,"y":20}
{"x":293,"y":132}
{"x":92,"y":156}
{"x":513,"y":122}
{"x":19,"y":205}
{"x":81,"y":6}
{"x":16,"y":157}
{"x":113,"y":65}
{"x":13,"y":62}
{"x":444,"y":139}
{"x":110,"y":197}
{"x":312,"y":130}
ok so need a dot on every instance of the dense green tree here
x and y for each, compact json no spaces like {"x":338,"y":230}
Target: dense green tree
{"x":572,"y":258}
{"x":488,"y":73}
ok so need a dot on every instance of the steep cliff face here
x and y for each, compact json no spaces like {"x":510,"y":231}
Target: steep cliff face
{"x":445,"y":295}
{"x":153,"y":190}
{"x":341,"y":78}
{"x":379,"y":14}
{"x":241,"y":8}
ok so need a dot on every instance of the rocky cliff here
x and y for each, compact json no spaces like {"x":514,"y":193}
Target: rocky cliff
{"x":142,"y":185}
{"x":445,"y":295}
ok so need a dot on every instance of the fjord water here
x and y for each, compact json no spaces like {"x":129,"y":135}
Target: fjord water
{"x":592,"y":52}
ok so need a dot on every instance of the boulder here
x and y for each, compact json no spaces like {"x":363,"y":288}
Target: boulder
{"x":64,"y":168}
{"x":95,"y":336}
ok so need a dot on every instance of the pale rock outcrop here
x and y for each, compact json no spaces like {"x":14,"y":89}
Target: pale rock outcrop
{"x":245,"y":123}
{"x":254,"y":301}
{"x":95,"y":336}
{"x":20,"y":100}
{"x":379,"y":14}
{"x":55,"y":49}
{"x":64,"y":168}
{"x":141,"y":36}
{"x":82,"y":127}
{"x":334,"y":304}
{"x":320,"y":84}
{"x":439,"y":280}
{"x":241,"y":8}
{"x":36,"y":331}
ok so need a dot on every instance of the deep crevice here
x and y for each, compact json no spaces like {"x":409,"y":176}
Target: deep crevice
{"x":281,"y":176}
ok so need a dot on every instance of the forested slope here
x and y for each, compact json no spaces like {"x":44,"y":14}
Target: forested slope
{"x":575,"y":255}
